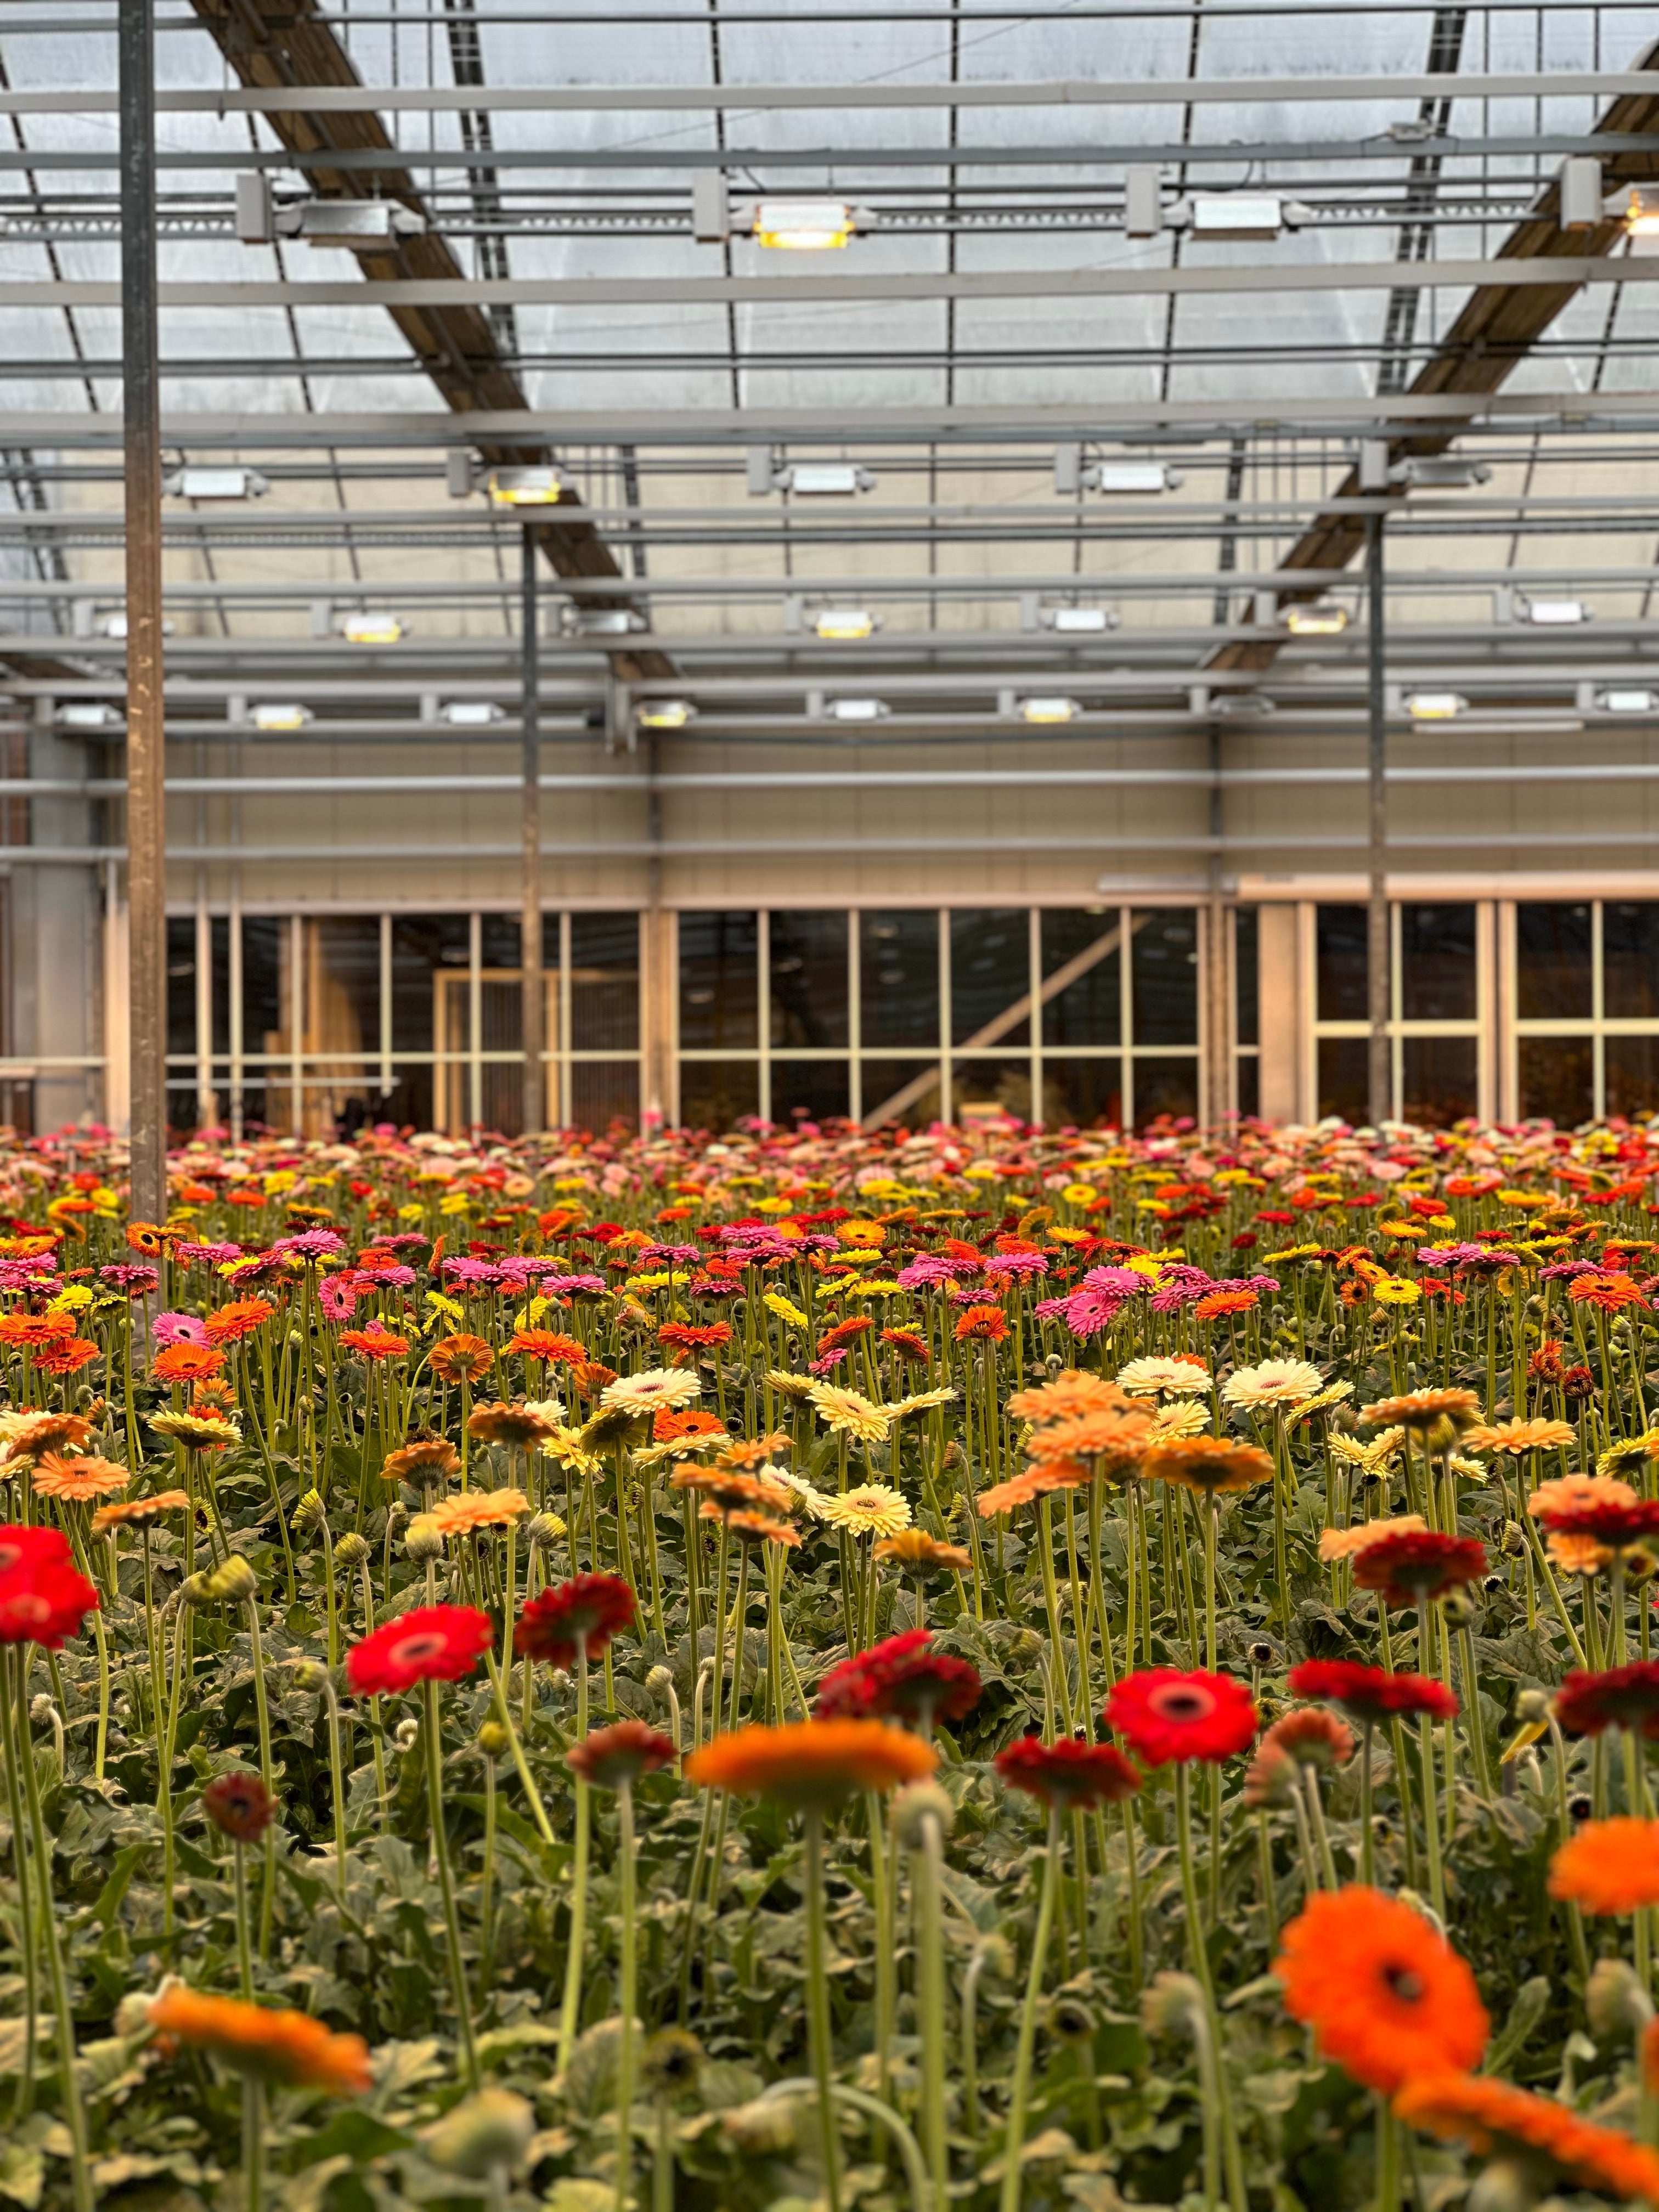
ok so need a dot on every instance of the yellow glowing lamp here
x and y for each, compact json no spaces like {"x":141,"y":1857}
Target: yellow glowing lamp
{"x":1049,"y":710}
{"x":1323,"y":619}
{"x":528,"y":487}
{"x":805,"y":225}
{"x":845,"y":624}
{"x":1436,"y":706}
{"x":666,"y":714}
{"x":372,"y":629}
{"x":1642,"y":212}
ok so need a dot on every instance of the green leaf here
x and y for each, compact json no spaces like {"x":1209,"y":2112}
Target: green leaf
{"x":355,"y":2135}
{"x":22,"y":2173}
{"x":110,"y":1896}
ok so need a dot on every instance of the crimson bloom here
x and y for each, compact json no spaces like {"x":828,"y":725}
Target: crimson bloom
{"x":901,"y":1679}
{"x":1418,"y":1565}
{"x":432,"y":1644}
{"x":1167,"y":1714}
{"x":1074,"y":1775}
{"x":617,"y":1756}
{"x":1622,"y":1697}
{"x":578,"y":1617}
{"x":1618,"y":1526}
{"x":240,"y":1806}
{"x":44,"y":1597}
{"x":1369,"y":1694}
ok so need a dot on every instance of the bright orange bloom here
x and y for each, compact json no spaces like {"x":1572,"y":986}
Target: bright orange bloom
{"x":374,"y":1343}
{"x":1220,"y":1305}
{"x":228,"y":1324}
{"x":67,"y":1357}
{"x":981,"y":1325}
{"x":31,"y":1329}
{"x":1387,"y":1998}
{"x":58,"y":1477}
{"x":1208,"y":1465}
{"x":1494,"y":2118}
{"x":471,"y":1510}
{"x":547,"y":1344}
{"x":286,"y":2047}
{"x":139,"y":1512}
{"x":1070,"y":1391}
{"x":811,"y":1764}
{"x":915,"y":1547}
{"x":669,"y":1427}
{"x":188,"y":1363}
{"x":1608,"y":1866}
{"x":460,"y":1357}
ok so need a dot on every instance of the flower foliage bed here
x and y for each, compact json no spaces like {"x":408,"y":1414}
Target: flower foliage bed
{"x":977,"y":1668}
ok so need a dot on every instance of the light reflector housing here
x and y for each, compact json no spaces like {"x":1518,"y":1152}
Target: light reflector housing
{"x":845,"y":624}
{"x":666,"y":714}
{"x":280,"y":715}
{"x":1079,"y":622}
{"x":1324,"y":618}
{"x":1436,"y":706}
{"x":372,"y":628}
{"x":1641,"y":211}
{"x":527,"y":487}
{"x":1556,"y":614}
{"x":1138,"y":478}
{"x":805,"y":225}
{"x":1236,"y":215}
{"x":1049,"y":710}
{"x":193,"y":482}
{"x":826,"y":479}
{"x":87,"y":715}
{"x":1627,"y":699}
{"x":857,"y":710}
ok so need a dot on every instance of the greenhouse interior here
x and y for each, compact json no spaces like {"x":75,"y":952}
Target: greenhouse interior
{"x":829,"y":1105}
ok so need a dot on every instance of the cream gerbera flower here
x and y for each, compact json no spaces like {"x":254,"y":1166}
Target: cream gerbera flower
{"x":846,"y":1410}
{"x":1153,"y":1377}
{"x":1175,"y":1423}
{"x":790,"y":1386}
{"x":1370,"y":1458}
{"x":652,"y":1389}
{"x":920,"y":1401}
{"x":1274,"y":1383}
{"x":870,"y":1510}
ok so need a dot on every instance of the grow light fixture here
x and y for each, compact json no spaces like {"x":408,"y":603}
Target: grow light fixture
{"x":115,"y":626}
{"x":281,"y":715}
{"x":1131,"y":479}
{"x":1236,"y":215}
{"x":1049,"y":710}
{"x":807,"y":226}
{"x":1323,"y":618}
{"x":845,"y":625}
{"x":1440,"y":472}
{"x":349,"y":224}
{"x":87,"y":715}
{"x":666,"y":714}
{"x":1436,"y":706}
{"x":824,"y":479}
{"x":1641,"y":211}
{"x":471,"y":713}
{"x":1627,"y":700}
{"x":215,"y":484}
{"x":857,"y":710}
{"x":372,"y":628}
{"x":527,"y":487}
{"x":600,"y":622}
{"x":1077,"y":622}
{"x":1555,"y":614}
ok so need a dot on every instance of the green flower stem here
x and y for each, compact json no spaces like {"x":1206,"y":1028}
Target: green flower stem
{"x":268,"y":1776}
{"x":1472,"y":1715}
{"x":80,"y":2178}
{"x":927,"y":1877}
{"x":1388,"y":2158}
{"x":521,"y":1765}
{"x":253,"y":2143}
{"x":1232,"y":2156}
{"x":818,"y":2007}
{"x":570,"y":2007}
{"x":1367,"y":1845}
{"x":244,"y":1947}
{"x":434,"y":1793}
{"x":1431,"y":1818}
{"x":628,"y":1992}
{"x":1013,"y":2140}
{"x":11,"y":1760}
{"x":882,"y":1905}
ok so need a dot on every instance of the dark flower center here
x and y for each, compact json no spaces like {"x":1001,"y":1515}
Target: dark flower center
{"x":414,"y":1651}
{"x":1405,"y":1983}
{"x":1183,"y":1703}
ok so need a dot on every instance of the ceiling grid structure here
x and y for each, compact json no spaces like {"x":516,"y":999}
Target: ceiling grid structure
{"x":1055,"y":417}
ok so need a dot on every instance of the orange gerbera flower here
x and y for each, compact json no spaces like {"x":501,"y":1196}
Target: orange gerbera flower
{"x":1220,"y":1305}
{"x":1346,"y":1543}
{"x":1386,"y":1996}
{"x":1608,"y":1866}
{"x":1031,"y":1484}
{"x":58,"y":1477}
{"x":460,"y":1357}
{"x":67,"y":1357}
{"x":286,"y":2047}
{"x":1070,"y":1391}
{"x":1494,"y":2118}
{"x":228,"y":1324}
{"x":374,"y":1343}
{"x":188,"y":1363}
{"x":811,"y":1766}
{"x":669,"y":1427}
{"x":423,"y":1463}
{"x":30,"y":1330}
{"x":139,"y":1512}
{"x":981,"y":1325}
{"x":1208,"y":1465}
{"x":547,"y":1344}
{"x":915,"y":1548}
{"x":1421,"y":1409}
{"x":465,"y":1514}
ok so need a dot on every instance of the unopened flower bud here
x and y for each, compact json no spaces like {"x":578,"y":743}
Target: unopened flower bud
{"x":1615,"y":2003}
{"x":493,"y":1738}
{"x":915,"y":1807}
{"x":1531,"y":1706}
{"x":193,"y":1591}
{"x":764,"y":2128}
{"x":1503,"y":2186}
{"x":406,"y":1734}
{"x":351,"y":1551}
{"x":659,"y":1681}
{"x":310,"y":1674}
{"x":1259,"y":1652}
{"x":1459,"y":1609}
{"x":309,"y":1514}
{"x":424,"y":1542}
{"x":488,"y":2133}
{"x":673,"y":2060}
{"x":1171,"y":2004}
{"x":1071,"y":2020}
{"x":543,"y":1529}
{"x":233,"y":1582}
{"x":42,"y":1709}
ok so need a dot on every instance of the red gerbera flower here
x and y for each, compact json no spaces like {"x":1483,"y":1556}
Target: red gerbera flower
{"x":620,"y":1754}
{"x":901,"y":1679}
{"x":981,"y":1325}
{"x":44,"y":1598}
{"x":1618,"y":1526}
{"x":1419,"y":1565}
{"x":906,"y":1342}
{"x":1368,"y":1694}
{"x":1622,"y":1697}
{"x":1167,"y":1714}
{"x":579,"y":1616}
{"x":1074,"y":1775}
{"x":433,"y":1644}
{"x":240,"y":1806}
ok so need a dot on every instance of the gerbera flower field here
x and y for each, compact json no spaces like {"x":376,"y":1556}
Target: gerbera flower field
{"x":972,"y":1667}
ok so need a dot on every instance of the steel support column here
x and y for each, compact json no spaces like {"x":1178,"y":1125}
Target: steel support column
{"x":1378,"y":996}
{"x":530,"y":948}
{"x":146,"y":754}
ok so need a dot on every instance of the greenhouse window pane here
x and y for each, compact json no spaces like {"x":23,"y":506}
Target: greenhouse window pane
{"x":1342,"y":966}
{"x":1630,"y":962}
{"x":809,"y":1089}
{"x":605,"y":984}
{"x":1436,"y":959}
{"x":899,"y":978}
{"x":1083,"y":1094}
{"x":1438,"y":1079}
{"x":1553,"y":965}
{"x":714,"y":1094}
{"x":990,"y":974}
{"x":1164,"y":979}
{"x":806,"y":959}
{"x":1557,"y":1079}
{"x":1086,"y":945}
{"x":719,"y":982}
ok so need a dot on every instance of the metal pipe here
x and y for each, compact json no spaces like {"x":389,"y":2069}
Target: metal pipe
{"x":146,"y":746}
{"x":529,"y":803}
{"x":1378,"y":989}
